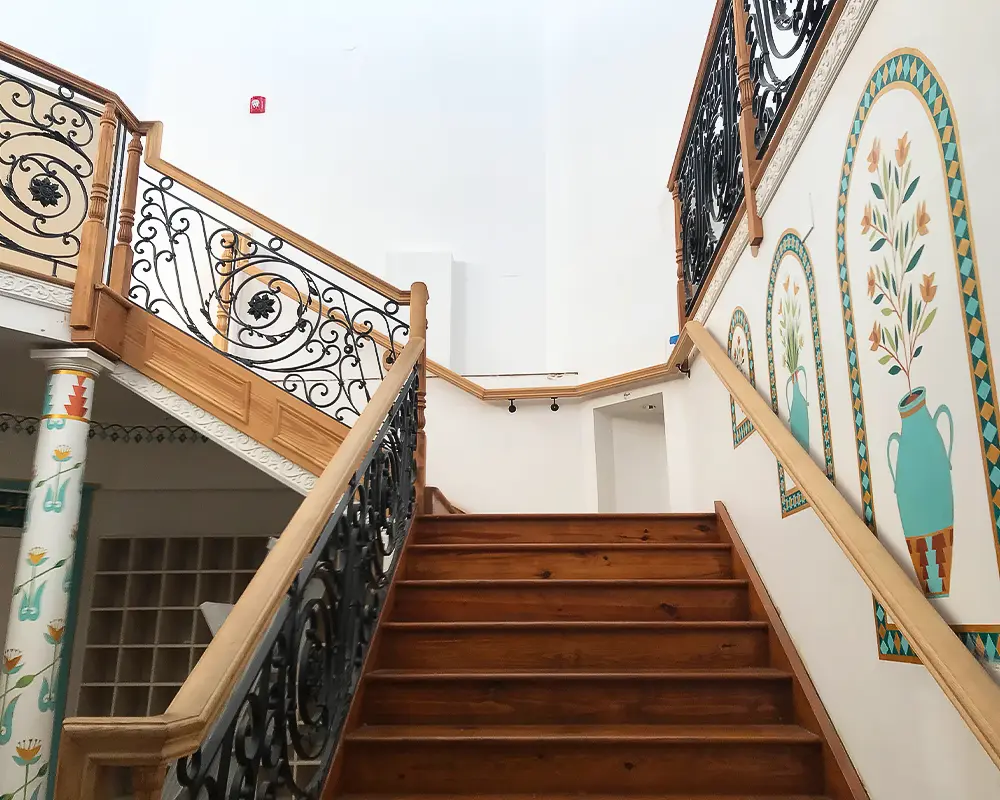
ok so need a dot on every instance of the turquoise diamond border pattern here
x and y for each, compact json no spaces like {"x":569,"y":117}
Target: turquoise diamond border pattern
{"x":744,"y":427}
{"x":791,"y":242}
{"x":910,"y":70}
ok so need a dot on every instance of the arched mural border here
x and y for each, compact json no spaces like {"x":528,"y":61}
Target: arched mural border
{"x":790,"y":242}
{"x":909,"y":69}
{"x":742,"y":429}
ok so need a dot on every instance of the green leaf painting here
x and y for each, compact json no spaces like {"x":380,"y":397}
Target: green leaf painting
{"x":898,"y":217}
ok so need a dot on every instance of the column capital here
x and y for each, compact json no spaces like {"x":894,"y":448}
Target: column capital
{"x":73,"y":358}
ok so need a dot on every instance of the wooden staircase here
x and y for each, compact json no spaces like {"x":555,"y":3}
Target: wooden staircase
{"x":594,"y":656}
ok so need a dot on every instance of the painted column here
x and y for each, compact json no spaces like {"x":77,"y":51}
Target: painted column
{"x":39,"y":612}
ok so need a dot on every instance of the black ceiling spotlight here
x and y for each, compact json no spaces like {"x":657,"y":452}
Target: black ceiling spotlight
{"x":512,"y":408}
{"x":555,"y":405}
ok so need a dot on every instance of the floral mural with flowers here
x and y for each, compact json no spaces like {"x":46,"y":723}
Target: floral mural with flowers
{"x":896,"y":222}
{"x":740,"y":348}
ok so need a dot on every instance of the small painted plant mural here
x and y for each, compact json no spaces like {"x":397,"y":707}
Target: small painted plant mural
{"x":740,"y":354}
{"x":28,"y":753}
{"x":896,"y":223}
{"x":792,"y":342}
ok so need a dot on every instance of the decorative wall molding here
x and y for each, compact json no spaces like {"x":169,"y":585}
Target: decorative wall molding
{"x":37,"y":291}
{"x":111,"y":431}
{"x":849,"y":26}
{"x":205,"y":424}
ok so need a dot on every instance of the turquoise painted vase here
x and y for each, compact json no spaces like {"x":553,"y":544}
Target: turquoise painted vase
{"x":922,"y":479}
{"x":798,"y":408}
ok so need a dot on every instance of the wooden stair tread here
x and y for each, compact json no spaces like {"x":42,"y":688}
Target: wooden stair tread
{"x":744,"y":673}
{"x":667,"y":734}
{"x":577,"y":797}
{"x":563,"y":547}
{"x":596,"y":583}
{"x":595,"y":625}
{"x":562,"y":519}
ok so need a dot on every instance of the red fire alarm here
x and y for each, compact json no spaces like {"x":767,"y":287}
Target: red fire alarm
{"x":258,"y":104}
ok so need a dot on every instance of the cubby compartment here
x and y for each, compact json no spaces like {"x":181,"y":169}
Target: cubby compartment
{"x":105,"y":627}
{"x":175,"y":626}
{"x":140,"y":627}
{"x":179,"y":589}
{"x":171,"y":664}
{"x":135,"y":665}
{"x":109,"y":591}
{"x":163,"y":696}
{"x":182,"y":554}
{"x":144,"y":590}
{"x":250,"y":553}
{"x":203,"y":634}
{"x":215,"y":587}
{"x":147,"y":555}
{"x":240,"y":582}
{"x":112,"y":555}
{"x":217,"y":554}
{"x":100,"y":665}
{"x":131,"y":701}
{"x":95,"y":701}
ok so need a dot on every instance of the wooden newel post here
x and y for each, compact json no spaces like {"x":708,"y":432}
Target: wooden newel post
{"x":94,"y":237}
{"x":121,"y":258}
{"x":747,"y":124}
{"x":418,"y":328}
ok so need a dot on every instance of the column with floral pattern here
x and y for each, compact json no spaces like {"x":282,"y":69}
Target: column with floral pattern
{"x":33,"y":645}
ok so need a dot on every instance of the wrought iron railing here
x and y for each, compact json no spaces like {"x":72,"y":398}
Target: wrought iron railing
{"x":48,"y":150}
{"x":290,"y":706}
{"x":710,"y":177}
{"x":781,"y":35}
{"x":260,"y":301}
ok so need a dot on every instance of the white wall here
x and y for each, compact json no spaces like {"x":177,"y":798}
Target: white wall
{"x":531,"y":140}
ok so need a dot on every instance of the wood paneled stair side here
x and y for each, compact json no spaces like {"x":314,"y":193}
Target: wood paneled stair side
{"x":585,"y":656}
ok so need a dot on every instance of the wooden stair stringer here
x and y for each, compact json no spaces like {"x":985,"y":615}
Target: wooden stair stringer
{"x":842,"y":779}
{"x":233,"y":395}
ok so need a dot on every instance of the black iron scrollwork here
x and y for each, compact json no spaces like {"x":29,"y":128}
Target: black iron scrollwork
{"x":781,"y":35}
{"x":249,"y":300}
{"x":290,"y":706}
{"x":47,"y":140}
{"x":710,"y":176}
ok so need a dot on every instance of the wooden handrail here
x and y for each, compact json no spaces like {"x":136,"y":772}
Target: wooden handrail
{"x":967,"y":685}
{"x":89,"y":745}
{"x":68,"y":79}
{"x":154,"y":141}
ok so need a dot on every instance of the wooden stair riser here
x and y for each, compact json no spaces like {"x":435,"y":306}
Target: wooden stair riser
{"x":573,"y":563}
{"x":615,"y":648}
{"x":474,"y":530}
{"x":553,"y":600}
{"x":624,"y":767}
{"x":562,"y":699}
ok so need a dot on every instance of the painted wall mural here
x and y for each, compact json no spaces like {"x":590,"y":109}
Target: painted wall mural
{"x":918,"y":354}
{"x":797,"y":377}
{"x":740,"y":348}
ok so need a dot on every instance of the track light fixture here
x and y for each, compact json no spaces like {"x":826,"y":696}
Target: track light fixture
{"x":555,"y":405}
{"x":512,"y":408}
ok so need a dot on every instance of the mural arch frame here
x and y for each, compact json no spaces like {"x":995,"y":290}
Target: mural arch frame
{"x":908,"y":69}
{"x":789,"y":242}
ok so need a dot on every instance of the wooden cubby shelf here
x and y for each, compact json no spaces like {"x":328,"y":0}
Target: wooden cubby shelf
{"x":145,"y":630}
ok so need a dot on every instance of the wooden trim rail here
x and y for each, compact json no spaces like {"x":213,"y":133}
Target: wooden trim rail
{"x":90,"y":746}
{"x":970,"y":689}
{"x":68,"y":79}
{"x":154,"y":141}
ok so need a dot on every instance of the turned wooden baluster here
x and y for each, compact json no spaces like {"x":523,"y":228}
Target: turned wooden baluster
{"x":679,"y":255}
{"x":121,"y":257}
{"x":94,"y":236}
{"x":418,"y":328}
{"x":751,"y":163}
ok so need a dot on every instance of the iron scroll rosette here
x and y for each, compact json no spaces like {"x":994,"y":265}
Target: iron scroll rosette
{"x":261,"y":303}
